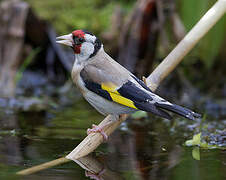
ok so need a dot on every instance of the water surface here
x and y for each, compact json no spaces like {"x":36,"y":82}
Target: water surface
{"x":145,"y":148}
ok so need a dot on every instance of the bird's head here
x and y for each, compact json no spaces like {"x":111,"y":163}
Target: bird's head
{"x":83,"y":43}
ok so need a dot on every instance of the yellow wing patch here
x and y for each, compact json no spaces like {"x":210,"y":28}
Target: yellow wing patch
{"x":109,"y":87}
{"x":116,"y":97}
{"x":122,"y":100}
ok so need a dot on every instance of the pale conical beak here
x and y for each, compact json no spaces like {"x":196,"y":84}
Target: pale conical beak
{"x":65,"y":39}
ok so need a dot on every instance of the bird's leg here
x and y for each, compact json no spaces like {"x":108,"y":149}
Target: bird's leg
{"x":100,"y":128}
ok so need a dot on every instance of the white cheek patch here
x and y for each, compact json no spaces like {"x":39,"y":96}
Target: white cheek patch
{"x":85,"y":51}
{"x":90,"y":38}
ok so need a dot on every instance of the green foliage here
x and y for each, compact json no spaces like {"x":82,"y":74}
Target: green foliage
{"x":196,"y":140}
{"x":70,"y":14}
{"x":96,"y":15}
{"x":204,"y":137}
{"x":209,"y":47}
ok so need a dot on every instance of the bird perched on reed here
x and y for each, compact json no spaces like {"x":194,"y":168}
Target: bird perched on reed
{"x":108,"y":86}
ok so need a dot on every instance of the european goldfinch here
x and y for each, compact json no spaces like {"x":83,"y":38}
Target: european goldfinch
{"x":108,"y":86}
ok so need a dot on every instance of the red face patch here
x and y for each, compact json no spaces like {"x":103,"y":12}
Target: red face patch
{"x":77,"y":49}
{"x":79,"y":34}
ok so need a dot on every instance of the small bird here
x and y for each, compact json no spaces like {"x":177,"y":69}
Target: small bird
{"x":108,"y":86}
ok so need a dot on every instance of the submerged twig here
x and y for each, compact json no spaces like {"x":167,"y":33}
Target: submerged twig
{"x":94,"y":168}
{"x":92,"y":141}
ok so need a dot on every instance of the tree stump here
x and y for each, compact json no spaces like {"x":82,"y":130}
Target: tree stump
{"x":12,"y":20}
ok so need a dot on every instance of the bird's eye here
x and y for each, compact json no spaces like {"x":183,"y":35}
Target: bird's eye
{"x":78,"y":40}
{"x":81,"y":40}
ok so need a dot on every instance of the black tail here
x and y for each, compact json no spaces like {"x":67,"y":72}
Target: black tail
{"x":153,"y":109}
{"x":179,"y":110}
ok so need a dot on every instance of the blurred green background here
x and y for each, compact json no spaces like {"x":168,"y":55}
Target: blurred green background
{"x":96,"y":15}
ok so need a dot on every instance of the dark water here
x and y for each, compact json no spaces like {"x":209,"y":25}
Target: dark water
{"x":147,"y":148}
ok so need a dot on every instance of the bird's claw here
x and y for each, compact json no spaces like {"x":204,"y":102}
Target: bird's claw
{"x":97,"y":129}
